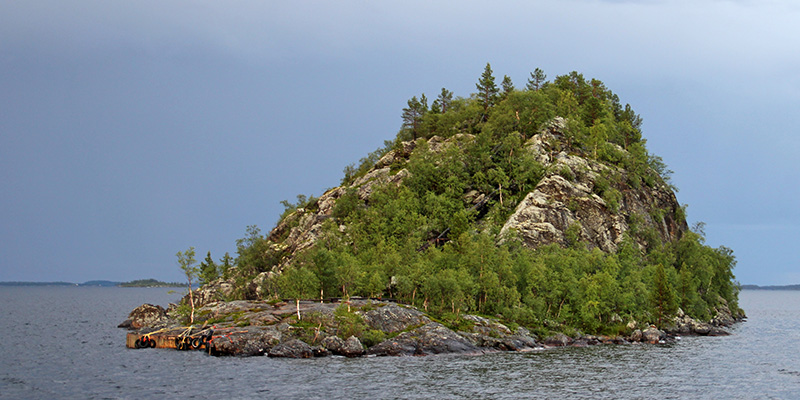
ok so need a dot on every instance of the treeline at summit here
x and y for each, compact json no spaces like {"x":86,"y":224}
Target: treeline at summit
{"x":539,"y":205}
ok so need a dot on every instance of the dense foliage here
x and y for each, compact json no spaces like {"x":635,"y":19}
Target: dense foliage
{"x":432,"y":241}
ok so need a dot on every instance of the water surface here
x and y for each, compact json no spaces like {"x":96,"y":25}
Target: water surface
{"x":62,"y":342}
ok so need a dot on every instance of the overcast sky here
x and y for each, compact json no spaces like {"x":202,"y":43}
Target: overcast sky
{"x":132,"y":130}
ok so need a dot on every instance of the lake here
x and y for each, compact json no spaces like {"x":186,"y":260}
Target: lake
{"x":62,"y":342}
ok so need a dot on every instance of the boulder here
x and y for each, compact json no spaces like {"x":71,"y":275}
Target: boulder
{"x":393,"y":318}
{"x":145,"y":316}
{"x":557,"y":340}
{"x":320,"y":351}
{"x":398,"y":346}
{"x":334,"y":344}
{"x":700,"y":328}
{"x":636,"y":336}
{"x":292,"y":349}
{"x":352,"y":347}
{"x":652,"y":335}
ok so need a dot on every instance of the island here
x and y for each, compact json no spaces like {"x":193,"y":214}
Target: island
{"x":508,"y":220}
{"x":150,"y":283}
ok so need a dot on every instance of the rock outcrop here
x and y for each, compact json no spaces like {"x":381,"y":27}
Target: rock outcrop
{"x":252,"y":328}
{"x":431,"y":338}
{"x":394,"y":318}
{"x":292,"y":349}
{"x":568,"y":196}
{"x":145,"y":316}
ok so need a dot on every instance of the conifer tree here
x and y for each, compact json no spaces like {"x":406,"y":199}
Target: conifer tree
{"x":663,"y":297}
{"x":412,"y":115}
{"x":536,"y":80}
{"x":487,"y":90}
{"x":442,"y":103}
{"x":208,"y":270}
{"x":507,"y":85}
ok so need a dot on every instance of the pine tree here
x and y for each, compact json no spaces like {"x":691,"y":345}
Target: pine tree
{"x":537,"y":79}
{"x":412,"y":115}
{"x":442,"y":103}
{"x":487,"y":91}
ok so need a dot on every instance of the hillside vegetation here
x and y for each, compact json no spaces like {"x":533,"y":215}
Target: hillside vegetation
{"x":540,"y":205}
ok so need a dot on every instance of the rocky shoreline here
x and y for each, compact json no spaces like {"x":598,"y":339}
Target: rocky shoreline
{"x":362,"y":327}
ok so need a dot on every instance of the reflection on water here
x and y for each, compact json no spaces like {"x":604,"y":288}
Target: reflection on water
{"x":63,"y":343}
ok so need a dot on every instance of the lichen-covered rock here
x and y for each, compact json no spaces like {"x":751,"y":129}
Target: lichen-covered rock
{"x":507,"y":343}
{"x":431,"y":338}
{"x":393,"y":318}
{"x":215,"y":291}
{"x":292,"y":349}
{"x":145,"y":316}
{"x":245,"y":341}
{"x":568,"y":196}
{"x":487,"y":326}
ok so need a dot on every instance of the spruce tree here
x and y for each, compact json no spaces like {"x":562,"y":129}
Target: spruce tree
{"x":208,"y":270}
{"x":507,"y":85}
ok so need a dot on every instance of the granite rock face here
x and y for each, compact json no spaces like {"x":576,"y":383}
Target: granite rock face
{"x":569,"y":195}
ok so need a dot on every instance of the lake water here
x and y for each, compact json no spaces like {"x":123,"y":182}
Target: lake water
{"x":62,"y":343}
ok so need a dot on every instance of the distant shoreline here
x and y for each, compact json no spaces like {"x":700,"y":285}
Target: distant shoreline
{"x":771,"y":287}
{"x":97,"y":283}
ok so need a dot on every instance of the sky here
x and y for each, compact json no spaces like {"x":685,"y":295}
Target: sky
{"x":130,"y":131}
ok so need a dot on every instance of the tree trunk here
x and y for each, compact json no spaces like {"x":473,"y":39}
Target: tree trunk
{"x":191,"y":302}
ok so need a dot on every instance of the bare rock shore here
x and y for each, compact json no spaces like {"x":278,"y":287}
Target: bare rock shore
{"x":373,"y":328}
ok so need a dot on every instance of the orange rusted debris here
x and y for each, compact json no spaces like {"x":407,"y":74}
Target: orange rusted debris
{"x":163,"y":340}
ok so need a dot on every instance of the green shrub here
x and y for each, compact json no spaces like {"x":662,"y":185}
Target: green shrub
{"x":372,"y":337}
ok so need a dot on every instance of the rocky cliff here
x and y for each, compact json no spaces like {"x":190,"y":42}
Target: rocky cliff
{"x":570,"y":196}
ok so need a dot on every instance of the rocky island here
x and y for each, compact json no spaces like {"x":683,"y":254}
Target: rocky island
{"x":510,"y":220}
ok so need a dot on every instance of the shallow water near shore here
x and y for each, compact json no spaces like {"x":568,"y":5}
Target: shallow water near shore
{"x":62,"y":342}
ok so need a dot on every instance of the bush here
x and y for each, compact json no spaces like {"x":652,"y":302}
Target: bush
{"x":372,"y":337}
